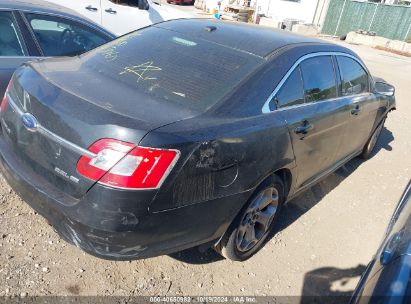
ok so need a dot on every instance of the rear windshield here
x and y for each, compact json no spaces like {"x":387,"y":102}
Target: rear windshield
{"x":173,"y":68}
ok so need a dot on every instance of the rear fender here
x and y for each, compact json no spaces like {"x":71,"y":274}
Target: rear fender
{"x":220,"y":160}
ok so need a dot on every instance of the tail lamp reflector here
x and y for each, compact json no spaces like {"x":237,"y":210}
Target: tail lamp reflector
{"x":124,"y":165}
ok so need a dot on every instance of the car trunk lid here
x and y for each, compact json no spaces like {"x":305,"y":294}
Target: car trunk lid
{"x":68,"y":123}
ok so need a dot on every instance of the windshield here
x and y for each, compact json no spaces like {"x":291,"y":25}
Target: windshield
{"x":172,"y":68}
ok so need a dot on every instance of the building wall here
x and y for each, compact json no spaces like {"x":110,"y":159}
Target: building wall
{"x":302,"y":10}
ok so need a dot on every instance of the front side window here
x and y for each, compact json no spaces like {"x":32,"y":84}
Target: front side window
{"x":133,"y":3}
{"x":61,"y":37}
{"x":319,"y":78}
{"x":10,"y":41}
{"x":292,"y":92}
{"x":353,"y":76}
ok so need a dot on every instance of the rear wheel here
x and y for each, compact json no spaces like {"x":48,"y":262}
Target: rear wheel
{"x":370,"y":145}
{"x":250,"y":229}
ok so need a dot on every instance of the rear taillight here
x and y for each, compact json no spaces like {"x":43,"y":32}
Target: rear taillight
{"x":124,"y":165}
{"x":4,"y":101}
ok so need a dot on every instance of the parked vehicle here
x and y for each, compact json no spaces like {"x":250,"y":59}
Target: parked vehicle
{"x":123,"y":16}
{"x":184,"y":132}
{"x":387,"y":277}
{"x":33,"y":29}
{"x":181,"y":2}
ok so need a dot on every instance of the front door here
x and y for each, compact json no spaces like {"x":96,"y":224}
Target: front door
{"x":317,"y":122}
{"x":355,"y":87}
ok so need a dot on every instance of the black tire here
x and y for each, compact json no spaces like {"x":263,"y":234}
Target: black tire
{"x":231,"y":245}
{"x":371,"y":142}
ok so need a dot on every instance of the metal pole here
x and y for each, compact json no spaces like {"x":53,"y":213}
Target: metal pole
{"x":315,"y":12}
{"x":321,"y":13}
{"x":373,"y":16}
{"x":408,"y":31}
{"x":339,"y":19}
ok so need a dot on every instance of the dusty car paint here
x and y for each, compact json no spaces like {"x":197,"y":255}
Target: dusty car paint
{"x":226,"y":150}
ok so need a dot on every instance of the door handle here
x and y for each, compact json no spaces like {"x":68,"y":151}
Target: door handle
{"x":356,"y":110}
{"x":304,"y":128}
{"x":111,"y":11}
{"x":91,"y":9}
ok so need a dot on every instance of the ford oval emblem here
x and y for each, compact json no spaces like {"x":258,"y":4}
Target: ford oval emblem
{"x":29,"y":122}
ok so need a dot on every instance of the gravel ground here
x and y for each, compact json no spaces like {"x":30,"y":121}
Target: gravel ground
{"x":325,"y":238}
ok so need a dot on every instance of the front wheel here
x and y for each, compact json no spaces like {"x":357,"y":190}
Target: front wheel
{"x":250,"y":229}
{"x":372,"y":141}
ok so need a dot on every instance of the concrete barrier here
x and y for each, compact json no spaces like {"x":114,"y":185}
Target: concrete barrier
{"x":378,"y":42}
{"x":269,"y":22}
{"x":305,"y":29}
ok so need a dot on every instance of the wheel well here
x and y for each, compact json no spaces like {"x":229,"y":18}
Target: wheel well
{"x":286,"y":177}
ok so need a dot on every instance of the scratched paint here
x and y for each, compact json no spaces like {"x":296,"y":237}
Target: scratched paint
{"x":112,"y":51}
{"x":141,"y":71}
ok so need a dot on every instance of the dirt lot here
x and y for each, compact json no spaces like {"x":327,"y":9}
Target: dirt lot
{"x":325,"y":239}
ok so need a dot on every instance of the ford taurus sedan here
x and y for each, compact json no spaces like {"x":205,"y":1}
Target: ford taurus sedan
{"x":184,"y":133}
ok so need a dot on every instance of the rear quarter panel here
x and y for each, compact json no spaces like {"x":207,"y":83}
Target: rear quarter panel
{"x":220,"y":157}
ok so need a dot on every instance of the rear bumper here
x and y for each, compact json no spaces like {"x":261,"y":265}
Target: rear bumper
{"x":116,"y":225}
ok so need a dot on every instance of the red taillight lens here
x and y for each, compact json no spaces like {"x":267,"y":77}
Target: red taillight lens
{"x":123,"y":165}
{"x":4,"y":100}
{"x":4,"y":103}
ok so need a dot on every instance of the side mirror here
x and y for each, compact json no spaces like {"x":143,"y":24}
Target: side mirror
{"x":384,"y":88}
{"x":143,"y":4}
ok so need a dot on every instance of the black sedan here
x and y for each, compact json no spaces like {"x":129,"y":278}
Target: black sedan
{"x":387,"y":278}
{"x":184,"y":133}
{"x":33,"y":29}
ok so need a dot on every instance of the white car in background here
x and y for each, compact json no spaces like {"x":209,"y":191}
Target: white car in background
{"x":122,"y":16}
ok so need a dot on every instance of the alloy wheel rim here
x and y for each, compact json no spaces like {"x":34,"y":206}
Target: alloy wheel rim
{"x":257,"y":219}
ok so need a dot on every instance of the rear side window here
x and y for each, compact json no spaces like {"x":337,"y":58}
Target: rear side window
{"x":292,"y":92}
{"x":319,"y":78}
{"x":11,"y":43}
{"x":354,"y":78}
{"x":62,"y":37}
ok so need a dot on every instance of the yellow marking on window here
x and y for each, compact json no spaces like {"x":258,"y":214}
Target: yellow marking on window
{"x":141,"y":70}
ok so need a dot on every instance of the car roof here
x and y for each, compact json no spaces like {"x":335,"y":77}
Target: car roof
{"x":254,"y":39}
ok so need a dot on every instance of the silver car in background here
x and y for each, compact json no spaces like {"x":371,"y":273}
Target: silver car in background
{"x":35,"y":29}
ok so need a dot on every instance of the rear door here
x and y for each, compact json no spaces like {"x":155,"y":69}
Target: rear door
{"x":355,"y":88}
{"x":316,"y":117}
{"x":89,"y":8}
{"x":124,"y":16}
